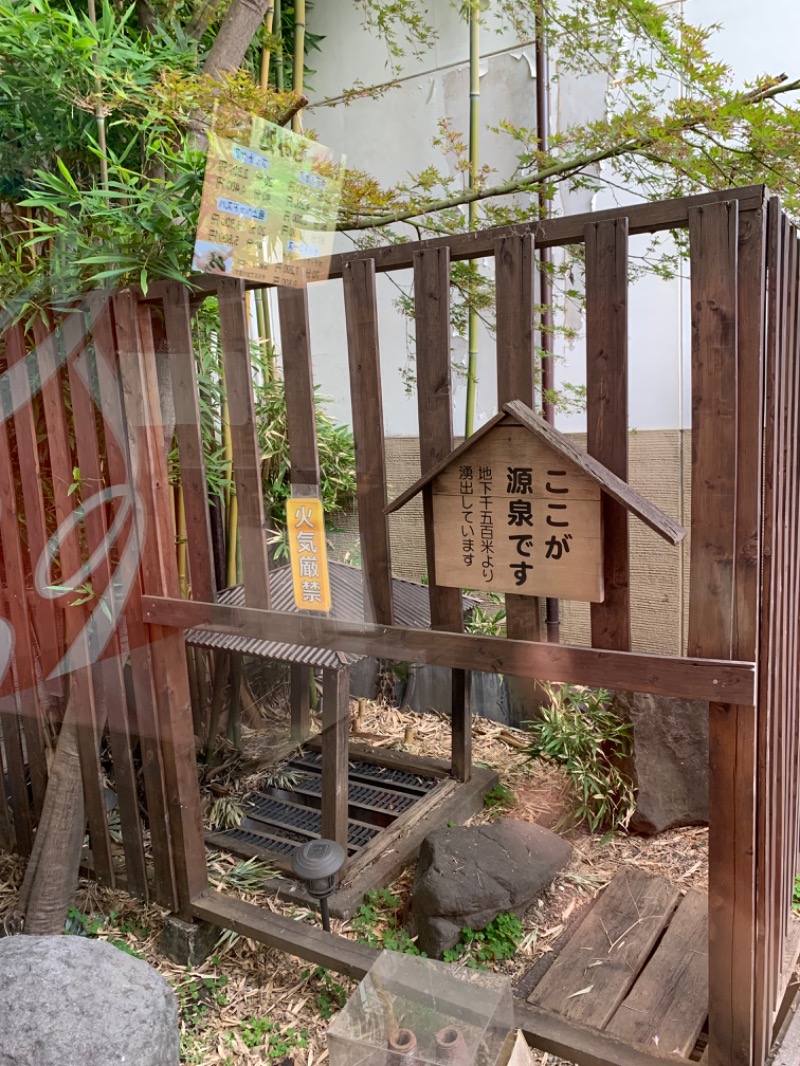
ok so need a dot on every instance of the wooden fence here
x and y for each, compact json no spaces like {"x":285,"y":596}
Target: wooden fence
{"x":742,"y":655}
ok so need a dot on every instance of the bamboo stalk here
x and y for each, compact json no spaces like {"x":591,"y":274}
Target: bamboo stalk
{"x":183,"y":575}
{"x":265,"y":52}
{"x":279,"y":75}
{"x":299,"y":57}
{"x":99,"y":117}
{"x":474,"y":133}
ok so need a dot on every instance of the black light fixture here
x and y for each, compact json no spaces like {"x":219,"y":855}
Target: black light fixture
{"x":317,"y":863}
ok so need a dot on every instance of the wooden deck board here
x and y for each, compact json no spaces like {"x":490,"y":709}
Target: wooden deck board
{"x":668,"y":1004}
{"x":598,"y":966}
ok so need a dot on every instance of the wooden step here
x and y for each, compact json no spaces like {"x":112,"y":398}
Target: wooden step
{"x":668,"y":1004}
{"x":600,"y":963}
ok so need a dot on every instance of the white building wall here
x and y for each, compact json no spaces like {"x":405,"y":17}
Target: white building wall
{"x":392,"y":137}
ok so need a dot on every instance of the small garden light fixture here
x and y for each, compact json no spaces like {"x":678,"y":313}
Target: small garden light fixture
{"x":317,"y":863}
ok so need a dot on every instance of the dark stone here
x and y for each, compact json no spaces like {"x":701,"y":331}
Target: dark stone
{"x":670,"y":760}
{"x":187,"y":943}
{"x":72,"y":1001}
{"x":467,"y":875}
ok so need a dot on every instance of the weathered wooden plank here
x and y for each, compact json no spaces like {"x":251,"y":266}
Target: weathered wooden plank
{"x":30,"y":475}
{"x":789,"y":612}
{"x":579,"y":1044}
{"x":107,"y":674}
{"x":177,"y":322}
{"x":435,"y":407}
{"x":366,"y":399}
{"x":122,"y":471}
{"x":285,"y":934}
{"x":607,"y":416}
{"x":244,"y":437}
{"x":75,"y":616}
{"x":300,"y":700}
{"x":553,"y":232}
{"x":298,"y":378}
{"x":659,"y":674}
{"x":667,"y":1006}
{"x":732,"y":917}
{"x":767,"y":872}
{"x":515,"y":271}
{"x":596,"y":969}
{"x":16,"y":605}
{"x":169,"y":653}
{"x":713,"y":233}
{"x":335,"y":730}
{"x":159,"y":569}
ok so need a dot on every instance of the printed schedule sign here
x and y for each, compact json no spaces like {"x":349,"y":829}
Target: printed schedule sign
{"x":269,"y":207}
{"x":307,"y":552}
{"x":512,"y":515}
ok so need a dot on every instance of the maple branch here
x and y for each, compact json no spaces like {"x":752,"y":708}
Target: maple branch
{"x":559,"y":170}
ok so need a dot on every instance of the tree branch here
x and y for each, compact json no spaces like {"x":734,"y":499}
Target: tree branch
{"x":558,"y":170}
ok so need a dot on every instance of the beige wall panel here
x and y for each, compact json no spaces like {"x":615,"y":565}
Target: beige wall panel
{"x":660,"y":468}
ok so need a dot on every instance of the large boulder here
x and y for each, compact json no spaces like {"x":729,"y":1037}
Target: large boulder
{"x":71,"y":1001}
{"x":467,"y":875}
{"x":669,"y":766}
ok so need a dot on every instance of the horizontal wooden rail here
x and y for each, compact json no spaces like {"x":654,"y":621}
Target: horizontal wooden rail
{"x":548,"y":233}
{"x":702,"y":679}
{"x":587,"y":1047}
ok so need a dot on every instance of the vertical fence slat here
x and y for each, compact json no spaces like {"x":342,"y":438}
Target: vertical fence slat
{"x":35,"y":517}
{"x":244,"y":437}
{"x":16,"y":572}
{"x":435,"y":405}
{"x":107,"y":674}
{"x":335,"y":730}
{"x":781,"y":606}
{"x":301,"y":423}
{"x":159,"y":570}
{"x":177,"y":322}
{"x":768,"y":715}
{"x":6,"y":823}
{"x":81,"y":690}
{"x":298,"y":378}
{"x":714,"y":275}
{"x":366,"y":396}
{"x":748,"y":631}
{"x":122,"y":472}
{"x":9,"y":714}
{"x":514,"y":281}
{"x":607,"y":415}
{"x":172,"y":678}
{"x":790,"y":651}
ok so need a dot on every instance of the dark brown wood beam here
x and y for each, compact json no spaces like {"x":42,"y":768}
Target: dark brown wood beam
{"x":661,"y":675}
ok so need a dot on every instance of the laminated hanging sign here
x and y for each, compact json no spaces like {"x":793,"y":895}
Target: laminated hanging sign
{"x":306,"y":525}
{"x":269,"y":207}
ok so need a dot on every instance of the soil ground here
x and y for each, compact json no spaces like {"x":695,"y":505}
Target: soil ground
{"x":248,"y":1005}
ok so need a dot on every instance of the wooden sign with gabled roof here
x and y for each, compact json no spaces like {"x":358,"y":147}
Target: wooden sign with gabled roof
{"x":517,"y":508}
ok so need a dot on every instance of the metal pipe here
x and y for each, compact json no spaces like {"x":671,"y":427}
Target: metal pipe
{"x":547,"y":368}
{"x":325,"y":914}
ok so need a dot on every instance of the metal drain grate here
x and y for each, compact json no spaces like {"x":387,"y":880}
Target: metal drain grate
{"x":381,"y":775}
{"x":299,"y":819}
{"x":279,"y":820}
{"x":381,"y":800}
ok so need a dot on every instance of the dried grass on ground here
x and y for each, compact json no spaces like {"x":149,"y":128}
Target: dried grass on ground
{"x":244,"y":982}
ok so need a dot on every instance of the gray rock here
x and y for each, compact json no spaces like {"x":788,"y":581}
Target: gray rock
{"x":71,"y":1001}
{"x":467,"y":875}
{"x":670,"y":760}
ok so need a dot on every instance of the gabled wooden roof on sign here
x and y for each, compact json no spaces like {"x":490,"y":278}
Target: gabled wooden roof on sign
{"x":615,"y":487}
